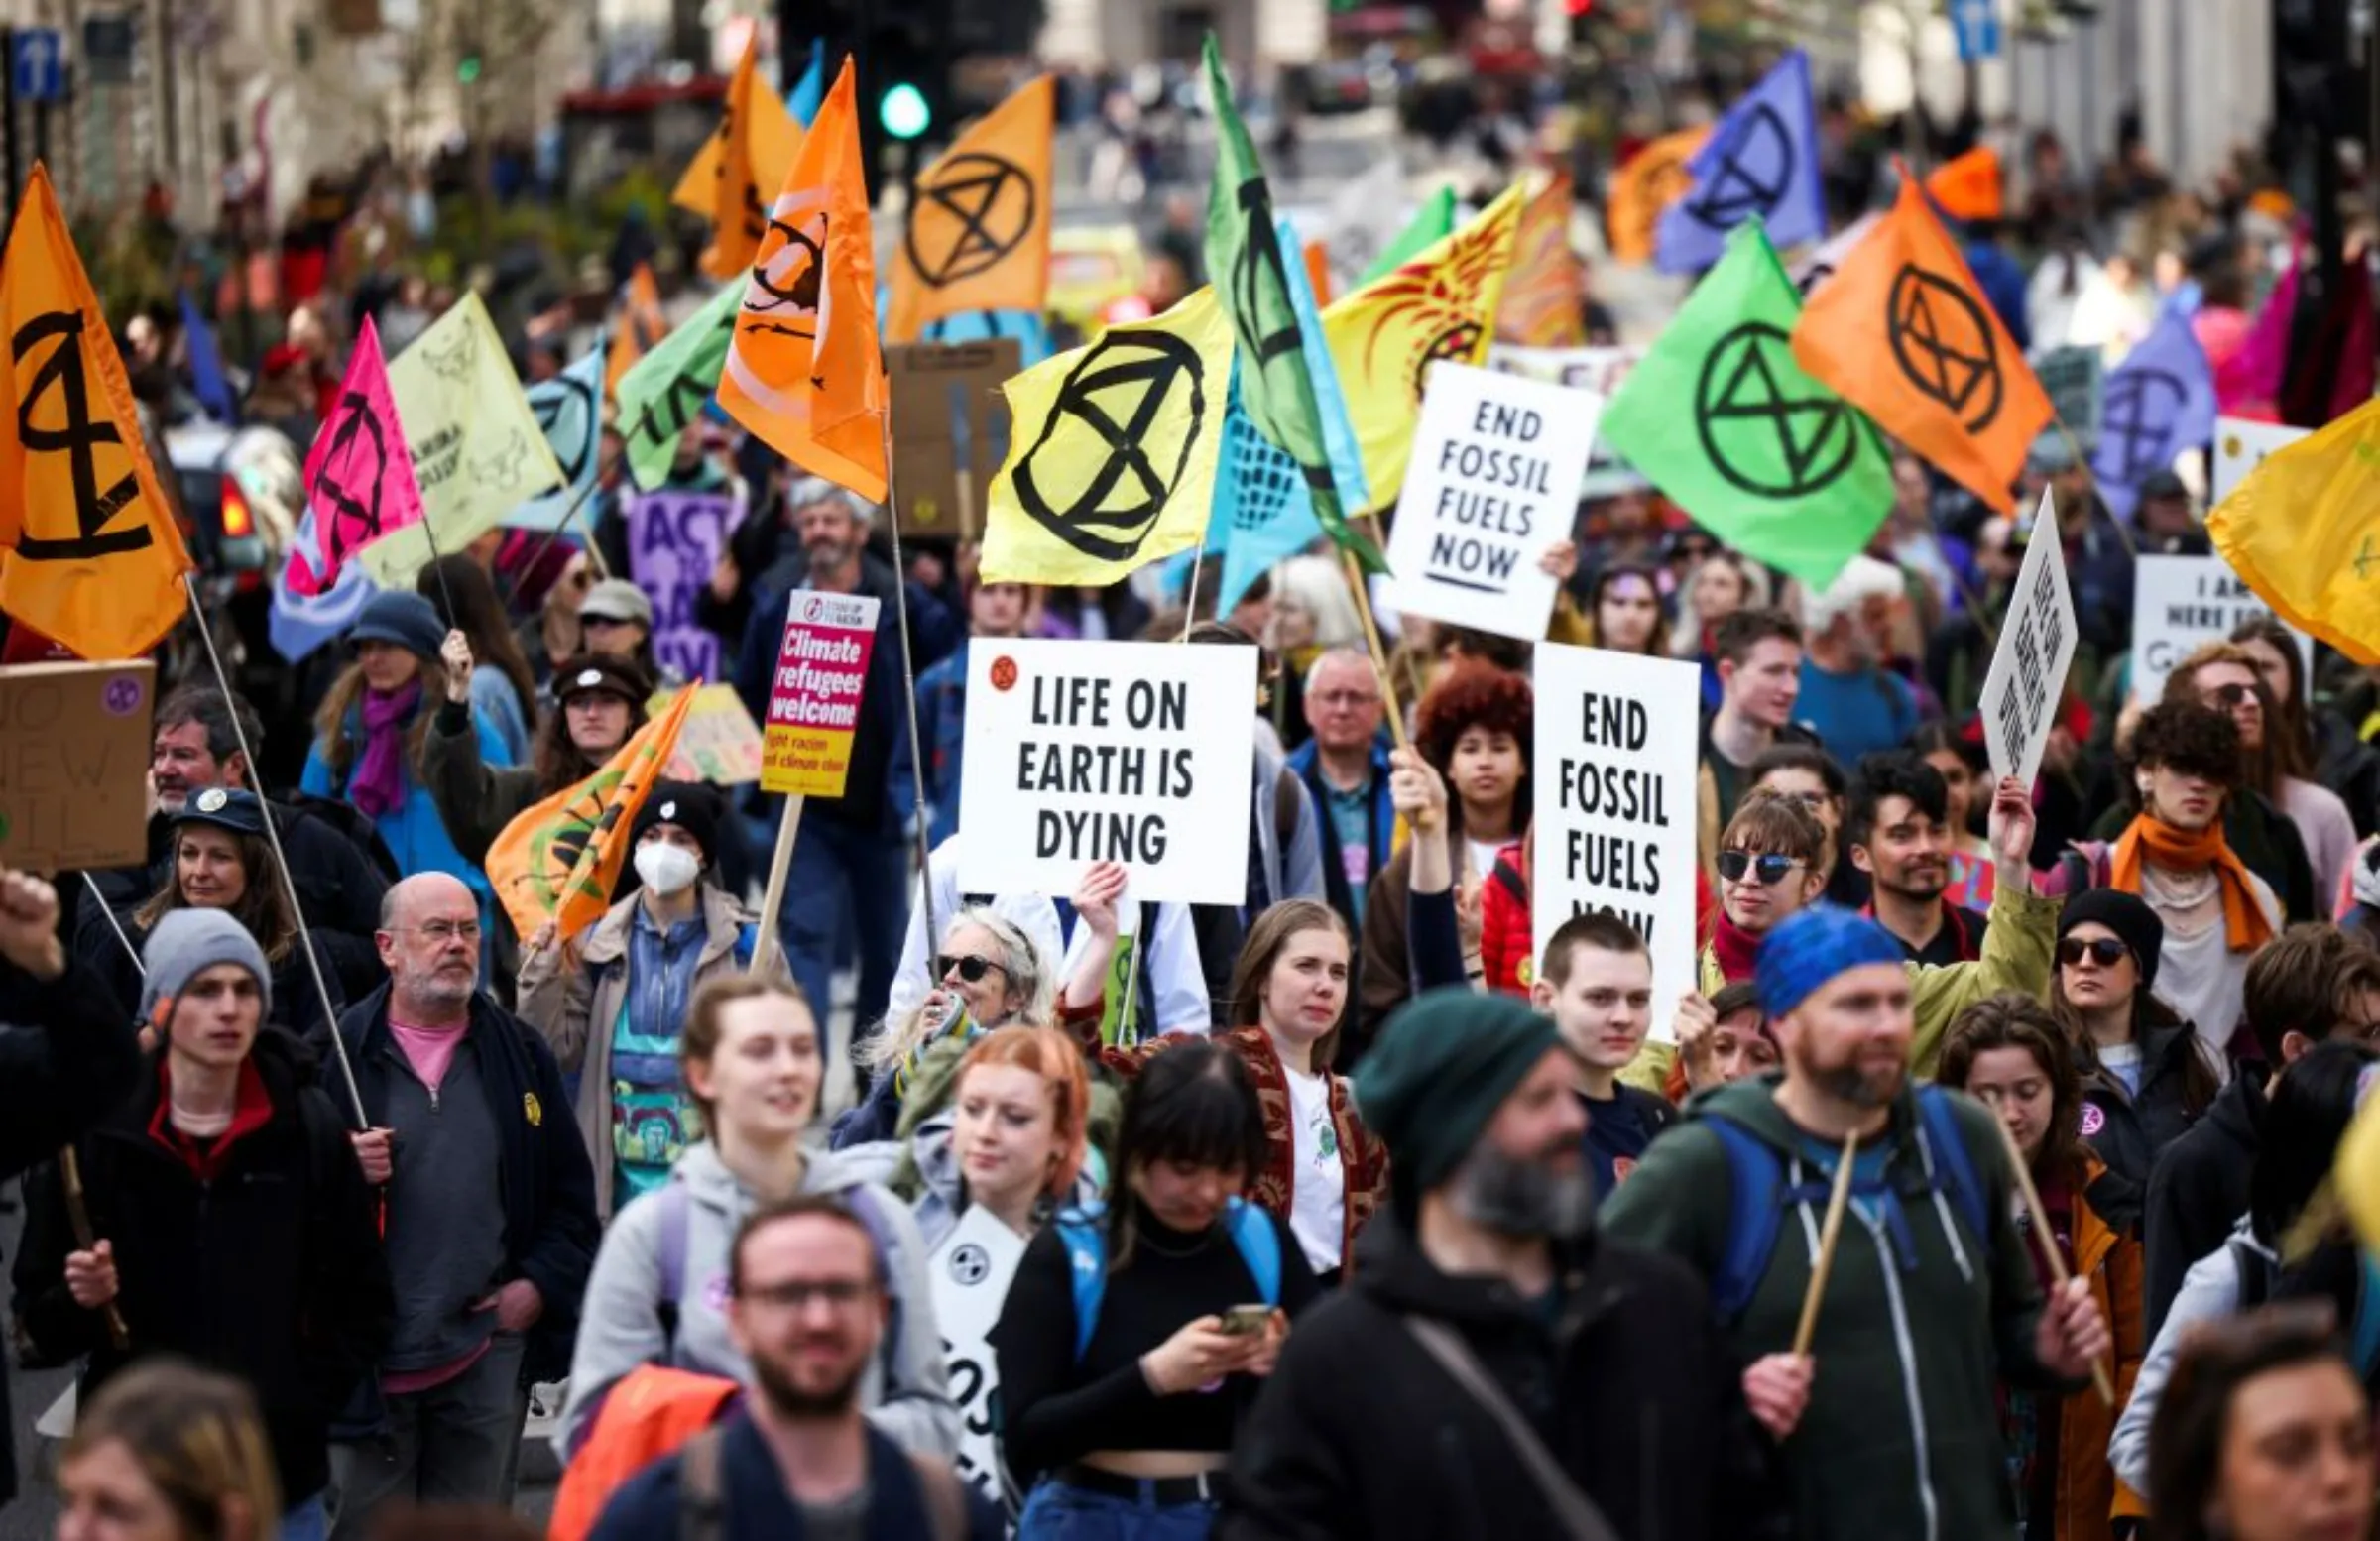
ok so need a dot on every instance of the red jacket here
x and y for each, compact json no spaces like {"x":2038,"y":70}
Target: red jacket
{"x":1507,"y":945}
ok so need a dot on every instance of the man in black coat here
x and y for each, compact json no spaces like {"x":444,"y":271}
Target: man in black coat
{"x":67,"y":1056}
{"x":1482,"y":1303}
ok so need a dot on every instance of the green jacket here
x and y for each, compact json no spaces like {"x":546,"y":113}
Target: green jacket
{"x":1901,"y":1438}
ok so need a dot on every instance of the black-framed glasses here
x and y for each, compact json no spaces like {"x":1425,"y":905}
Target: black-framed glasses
{"x":2105,"y":951}
{"x":970,"y":966}
{"x":1767,"y":869}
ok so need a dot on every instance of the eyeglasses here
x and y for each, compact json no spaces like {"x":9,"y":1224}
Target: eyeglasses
{"x":2228,"y":696}
{"x":2105,"y":951}
{"x":796,"y":1294}
{"x":970,"y":967}
{"x":1767,"y":870}
{"x":1347,"y":698}
{"x":444,"y":931}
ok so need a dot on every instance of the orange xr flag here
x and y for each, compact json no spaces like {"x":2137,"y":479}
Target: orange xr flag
{"x":1968,"y":186}
{"x":978,"y":223}
{"x":1654,"y":179}
{"x":804,"y":371}
{"x":639,"y":326}
{"x":90,"y":551}
{"x":1542,"y":295}
{"x":1902,"y":332}
{"x":730,"y":178}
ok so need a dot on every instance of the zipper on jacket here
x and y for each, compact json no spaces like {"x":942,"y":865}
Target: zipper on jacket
{"x":1905,"y":1350}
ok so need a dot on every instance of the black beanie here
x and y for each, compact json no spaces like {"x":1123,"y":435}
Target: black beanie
{"x":691,"y":805}
{"x":2127,"y":915}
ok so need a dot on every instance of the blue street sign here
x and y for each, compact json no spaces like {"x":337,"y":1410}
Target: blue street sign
{"x":38,"y":63}
{"x":1977,"y":23}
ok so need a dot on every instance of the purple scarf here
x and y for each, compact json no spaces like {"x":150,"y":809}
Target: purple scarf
{"x":378,"y":785}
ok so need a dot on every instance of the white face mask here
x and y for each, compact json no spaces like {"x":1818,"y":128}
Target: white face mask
{"x":667,"y":868}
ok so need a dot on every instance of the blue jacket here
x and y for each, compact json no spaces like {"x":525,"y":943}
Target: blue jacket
{"x":756,"y":1504}
{"x":417,"y":837}
{"x":1306,"y":762}
{"x":2003,"y":283}
{"x":941,"y":726}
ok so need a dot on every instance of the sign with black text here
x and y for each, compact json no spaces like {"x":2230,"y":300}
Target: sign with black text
{"x":971,"y":1271}
{"x":2240,"y":447}
{"x":2037,"y":646}
{"x":2179,"y":602}
{"x":1600,"y":370}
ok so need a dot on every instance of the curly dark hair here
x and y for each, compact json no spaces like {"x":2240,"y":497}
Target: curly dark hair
{"x":2189,"y":738}
{"x":1474,"y":695}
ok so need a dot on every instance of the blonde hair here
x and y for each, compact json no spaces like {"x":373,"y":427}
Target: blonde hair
{"x":698,"y":1040}
{"x":1032,"y":977}
{"x":196,"y":1436}
{"x":1051,"y":1055}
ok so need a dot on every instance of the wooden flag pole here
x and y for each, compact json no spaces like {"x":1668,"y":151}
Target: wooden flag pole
{"x":772,"y":896}
{"x":69,"y":1164}
{"x":908,"y":696}
{"x":2047,"y":1241}
{"x":1829,"y":1234}
{"x":1379,"y":654}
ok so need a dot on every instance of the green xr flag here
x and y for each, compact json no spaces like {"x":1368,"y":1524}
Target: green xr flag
{"x":1431,"y":223}
{"x":664,"y":390}
{"x":1245,"y":259}
{"x":1720,"y":416}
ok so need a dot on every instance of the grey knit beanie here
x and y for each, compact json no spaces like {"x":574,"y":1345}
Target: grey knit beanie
{"x":186,"y":943}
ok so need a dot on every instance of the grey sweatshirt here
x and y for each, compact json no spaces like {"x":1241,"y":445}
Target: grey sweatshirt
{"x":2209,"y":1290}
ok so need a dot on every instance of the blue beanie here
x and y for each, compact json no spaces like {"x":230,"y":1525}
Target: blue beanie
{"x":1811,"y":948}
{"x":186,"y":943}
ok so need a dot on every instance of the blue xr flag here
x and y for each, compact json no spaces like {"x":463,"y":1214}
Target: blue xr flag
{"x":2156,"y":403}
{"x":300,"y":625}
{"x":1762,"y":159}
{"x":207,"y":380}
{"x":803,"y":98}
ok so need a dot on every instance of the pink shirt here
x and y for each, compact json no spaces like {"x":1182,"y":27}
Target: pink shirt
{"x":430,"y":1050}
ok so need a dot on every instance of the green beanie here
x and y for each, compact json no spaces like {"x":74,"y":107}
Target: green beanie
{"x":1444,"y":1064}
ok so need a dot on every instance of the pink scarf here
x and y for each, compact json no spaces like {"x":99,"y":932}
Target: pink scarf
{"x":378,"y":785}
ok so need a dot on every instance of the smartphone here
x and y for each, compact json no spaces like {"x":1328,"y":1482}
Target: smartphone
{"x":1246,"y":1321}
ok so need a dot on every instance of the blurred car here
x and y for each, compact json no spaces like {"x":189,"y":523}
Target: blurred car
{"x":1337,"y":85}
{"x":1090,"y":267}
{"x":221,"y":526}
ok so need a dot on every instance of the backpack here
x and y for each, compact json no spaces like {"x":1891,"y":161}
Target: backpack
{"x":1759,"y":1196}
{"x":1085,"y":1233}
{"x":702,"y":1492}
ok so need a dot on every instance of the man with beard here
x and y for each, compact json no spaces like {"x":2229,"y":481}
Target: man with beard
{"x":1495,"y":1367}
{"x":806,"y":1306}
{"x":1932,"y":1297}
{"x":1896,"y":830}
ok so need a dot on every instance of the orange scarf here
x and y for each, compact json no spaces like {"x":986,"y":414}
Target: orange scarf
{"x":2245,"y":927}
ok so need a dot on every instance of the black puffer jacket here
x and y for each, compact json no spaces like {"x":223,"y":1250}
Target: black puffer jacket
{"x":2199,"y":1190}
{"x":2131,"y":1130}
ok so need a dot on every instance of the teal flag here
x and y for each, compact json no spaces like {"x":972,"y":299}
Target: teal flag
{"x":664,"y":390}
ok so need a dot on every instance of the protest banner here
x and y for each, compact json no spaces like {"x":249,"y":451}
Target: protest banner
{"x":73,"y":757}
{"x":675,"y":539}
{"x":2179,"y":602}
{"x":814,"y":696}
{"x":1494,"y":480}
{"x":719,"y":744}
{"x":1614,"y":825}
{"x":1130,"y":752}
{"x":953,"y":421}
{"x":2073,"y":378}
{"x":2240,"y":447}
{"x":2037,"y":645}
{"x":1600,"y":370}
{"x":971,"y":1271}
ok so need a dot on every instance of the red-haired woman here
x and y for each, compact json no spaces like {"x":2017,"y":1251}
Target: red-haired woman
{"x":1014,"y":1139}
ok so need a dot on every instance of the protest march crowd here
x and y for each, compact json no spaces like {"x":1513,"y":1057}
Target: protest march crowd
{"x":1404,"y":921}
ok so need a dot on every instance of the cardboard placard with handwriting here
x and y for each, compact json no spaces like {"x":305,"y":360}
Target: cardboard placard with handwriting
{"x":950,"y":426}
{"x":74,"y":762}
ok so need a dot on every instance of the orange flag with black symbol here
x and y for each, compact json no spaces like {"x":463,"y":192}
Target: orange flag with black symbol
{"x":1968,"y":186}
{"x":557,"y":861}
{"x":639,"y":326}
{"x":1903,"y":333}
{"x":1541,"y":307}
{"x":805,"y":371}
{"x":1654,"y":179}
{"x":90,"y":551}
{"x":732,"y":176}
{"x":979,"y":221}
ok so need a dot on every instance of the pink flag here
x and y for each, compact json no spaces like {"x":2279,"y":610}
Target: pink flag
{"x":359,"y":475}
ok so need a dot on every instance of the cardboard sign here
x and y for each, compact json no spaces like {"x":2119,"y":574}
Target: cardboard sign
{"x":2240,"y":447}
{"x":2037,"y":646}
{"x":971,"y":1271}
{"x":1615,"y":828}
{"x":719,"y":741}
{"x":2179,"y":602}
{"x":952,"y":423}
{"x":1600,"y":370}
{"x":675,"y":539}
{"x":73,"y":760}
{"x":814,"y":696}
{"x":1081,"y":751}
{"x":2073,"y":378}
{"x":1496,"y":462}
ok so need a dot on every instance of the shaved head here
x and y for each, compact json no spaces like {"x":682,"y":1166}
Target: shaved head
{"x":430,"y":943}
{"x":422,"y":893}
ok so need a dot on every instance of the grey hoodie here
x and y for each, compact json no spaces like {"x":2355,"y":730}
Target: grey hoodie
{"x":2209,"y":1292}
{"x":907,"y":1391}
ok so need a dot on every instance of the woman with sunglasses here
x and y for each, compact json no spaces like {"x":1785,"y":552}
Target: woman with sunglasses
{"x":2147,"y":1076}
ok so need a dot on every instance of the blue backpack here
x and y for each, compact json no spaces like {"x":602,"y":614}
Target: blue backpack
{"x":1759,"y":1196}
{"x":1083,"y":1231}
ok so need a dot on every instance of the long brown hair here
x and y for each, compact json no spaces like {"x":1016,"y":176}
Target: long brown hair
{"x":347,"y":694}
{"x":2290,"y":728}
{"x":263,"y":908}
{"x":562,"y":763}
{"x":2149,"y":1013}
{"x":2010,"y":1021}
{"x":199,"y":1440}
{"x":1267,"y":939}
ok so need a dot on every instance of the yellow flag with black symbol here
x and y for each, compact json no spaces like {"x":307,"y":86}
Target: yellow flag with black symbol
{"x":736,"y":173}
{"x":1111,"y":452}
{"x":90,"y":553}
{"x":977,"y":236}
{"x":2299,"y":533}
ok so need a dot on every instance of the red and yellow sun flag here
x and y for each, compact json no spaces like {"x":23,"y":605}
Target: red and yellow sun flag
{"x":1542,"y":304}
{"x":731,"y":177}
{"x":639,"y":326}
{"x":1903,"y":333}
{"x":90,"y":551}
{"x":558,"y":859}
{"x":805,"y":371}
{"x":1654,"y":179}
{"x":979,"y":221}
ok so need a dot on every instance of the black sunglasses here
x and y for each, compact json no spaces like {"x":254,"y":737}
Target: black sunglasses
{"x":2105,"y":951}
{"x":1768,"y":868}
{"x":970,"y":966}
{"x":2228,"y":696}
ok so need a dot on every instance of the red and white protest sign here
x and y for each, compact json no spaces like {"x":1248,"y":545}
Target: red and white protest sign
{"x":814,"y":696}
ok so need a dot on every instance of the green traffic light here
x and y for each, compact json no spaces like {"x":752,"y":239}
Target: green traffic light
{"x":469,"y":70}
{"x":904,"y":111}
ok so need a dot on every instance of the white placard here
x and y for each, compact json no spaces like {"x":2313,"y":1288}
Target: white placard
{"x":1600,"y":370}
{"x":1615,"y":740}
{"x":2179,"y":602}
{"x":2240,"y":447}
{"x":1081,"y":751}
{"x":1494,"y":481}
{"x":2037,"y":646}
{"x":971,"y":1271}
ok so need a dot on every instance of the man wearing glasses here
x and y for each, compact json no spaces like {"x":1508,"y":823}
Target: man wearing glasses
{"x":487,"y":1206}
{"x":1345,"y":767}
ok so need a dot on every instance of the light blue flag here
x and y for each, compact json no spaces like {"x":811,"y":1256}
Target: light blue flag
{"x":569,"y":407}
{"x":212,"y":385}
{"x":1338,"y":432}
{"x":2156,"y":403}
{"x":803,"y":99}
{"x":1761,"y":159}
{"x":300,"y":625}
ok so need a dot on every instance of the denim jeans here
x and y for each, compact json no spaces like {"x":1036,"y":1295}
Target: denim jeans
{"x":842,"y":877}
{"x":455,"y":1443}
{"x":1056,"y":1512}
{"x":308,"y":1521}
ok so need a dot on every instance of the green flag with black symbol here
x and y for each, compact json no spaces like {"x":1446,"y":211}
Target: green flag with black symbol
{"x":664,"y":390}
{"x":1245,"y":261}
{"x":1720,"y":418}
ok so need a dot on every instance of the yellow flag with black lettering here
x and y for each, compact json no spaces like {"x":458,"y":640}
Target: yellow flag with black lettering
{"x":90,"y":552}
{"x":1112,"y":450}
{"x":737,"y":172}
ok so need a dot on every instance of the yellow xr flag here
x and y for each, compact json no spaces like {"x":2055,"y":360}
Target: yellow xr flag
{"x":478,"y":449}
{"x":730,"y":178}
{"x":804,"y":371}
{"x":2299,"y":533}
{"x":90,"y":553}
{"x":1385,"y":336}
{"x":979,"y":221}
{"x":1112,"y":450}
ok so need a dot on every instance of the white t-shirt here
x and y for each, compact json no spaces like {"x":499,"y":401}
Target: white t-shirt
{"x":1317,"y":1181}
